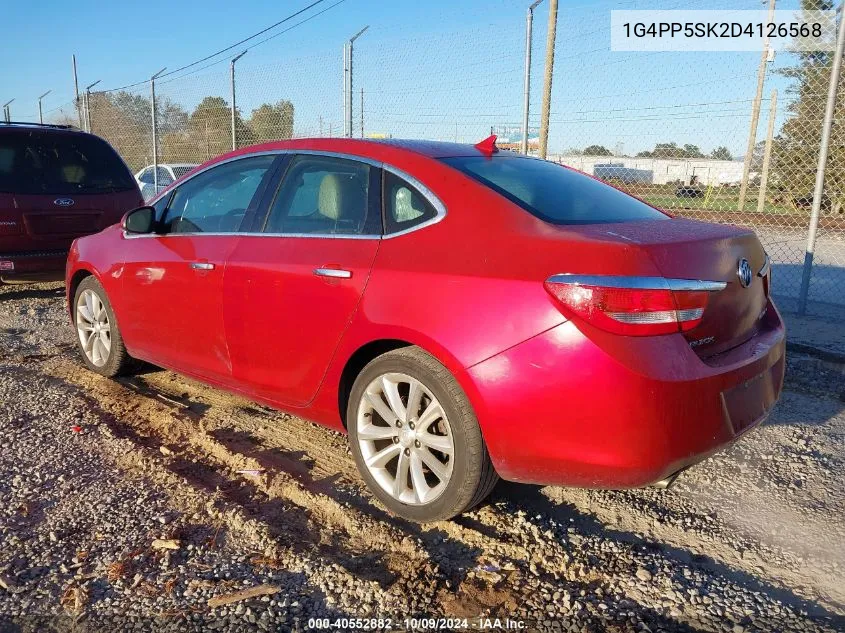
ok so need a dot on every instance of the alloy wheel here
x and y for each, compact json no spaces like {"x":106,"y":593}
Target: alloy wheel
{"x":405,"y":439}
{"x":94,"y":328}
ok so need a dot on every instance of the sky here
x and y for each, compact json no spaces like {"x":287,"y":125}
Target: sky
{"x":436,"y":69}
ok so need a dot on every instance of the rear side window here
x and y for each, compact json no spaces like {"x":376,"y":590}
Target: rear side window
{"x":552,"y":192}
{"x":404,"y":206}
{"x":50,"y":162}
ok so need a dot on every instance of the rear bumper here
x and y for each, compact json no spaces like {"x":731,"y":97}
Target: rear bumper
{"x":33,"y":266}
{"x":600,"y":411}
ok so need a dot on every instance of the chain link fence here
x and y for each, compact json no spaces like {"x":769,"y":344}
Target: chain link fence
{"x":670,"y":128}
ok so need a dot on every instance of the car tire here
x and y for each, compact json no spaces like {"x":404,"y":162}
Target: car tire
{"x":107,"y":359}
{"x":446,"y":469}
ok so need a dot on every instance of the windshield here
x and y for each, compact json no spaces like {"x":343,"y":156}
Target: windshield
{"x":554,"y":193}
{"x":181,"y":170}
{"x":50,"y":162}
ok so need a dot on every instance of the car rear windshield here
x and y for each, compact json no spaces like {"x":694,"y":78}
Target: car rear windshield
{"x":53,"y":162}
{"x":552,"y":192}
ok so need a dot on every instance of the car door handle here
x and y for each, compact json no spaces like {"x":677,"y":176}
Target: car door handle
{"x":337,"y":273}
{"x":202,"y":266}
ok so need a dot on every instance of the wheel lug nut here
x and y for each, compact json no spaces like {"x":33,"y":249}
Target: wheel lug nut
{"x":407,"y":451}
{"x":398,"y":424}
{"x":395,"y":440}
{"x":410,"y":425}
{"x":417,"y":443}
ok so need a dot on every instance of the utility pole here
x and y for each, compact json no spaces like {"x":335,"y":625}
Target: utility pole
{"x":755,"y":115}
{"x":818,"y":190}
{"x":362,"y":112}
{"x":350,"y":45}
{"x":547,"y":81}
{"x":76,"y":91}
{"x":320,"y":124}
{"x":234,"y":133}
{"x":7,"y":111}
{"x":526,"y":97}
{"x":767,"y":155}
{"x":88,"y":105}
{"x":155,"y":130}
{"x":40,"y":113}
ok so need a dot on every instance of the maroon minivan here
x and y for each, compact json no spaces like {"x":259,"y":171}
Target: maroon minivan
{"x":57,"y":183}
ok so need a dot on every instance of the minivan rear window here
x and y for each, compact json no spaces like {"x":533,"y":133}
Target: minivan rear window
{"x":51,"y":162}
{"x":554,"y":193}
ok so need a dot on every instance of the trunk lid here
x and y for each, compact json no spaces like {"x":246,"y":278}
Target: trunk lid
{"x":688,"y":249}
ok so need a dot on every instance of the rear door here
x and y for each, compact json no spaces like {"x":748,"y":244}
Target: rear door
{"x":57,"y":185}
{"x":292,"y":287}
{"x":173,"y":280}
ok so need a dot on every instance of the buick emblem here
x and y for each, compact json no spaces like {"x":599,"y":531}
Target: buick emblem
{"x":63,"y":202}
{"x":743,"y":271}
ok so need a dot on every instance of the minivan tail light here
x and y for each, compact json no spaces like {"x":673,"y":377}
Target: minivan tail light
{"x":633,"y":306}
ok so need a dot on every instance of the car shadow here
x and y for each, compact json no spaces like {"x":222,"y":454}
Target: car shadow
{"x":32,"y":293}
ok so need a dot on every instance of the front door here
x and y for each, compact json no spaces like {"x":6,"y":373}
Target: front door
{"x":173,"y":279}
{"x":291,"y":291}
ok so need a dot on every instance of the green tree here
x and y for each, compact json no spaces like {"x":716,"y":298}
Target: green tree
{"x":270,"y":122}
{"x":210,"y":126}
{"x":692,"y":151}
{"x":721,"y":153}
{"x":597,"y":150}
{"x":795,"y":151}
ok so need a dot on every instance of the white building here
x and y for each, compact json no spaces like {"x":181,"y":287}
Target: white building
{"x":658,"y":171}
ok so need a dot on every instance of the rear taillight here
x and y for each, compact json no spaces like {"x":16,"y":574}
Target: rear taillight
{"x":634,"y":306}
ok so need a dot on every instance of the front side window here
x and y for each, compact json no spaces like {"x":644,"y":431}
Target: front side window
{"x":322,"y":195}
{"x":554,"y":193}
{"x":216,"y":200}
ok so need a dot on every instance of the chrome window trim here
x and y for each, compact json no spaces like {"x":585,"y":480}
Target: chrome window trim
{"x":135,"y":236}
{"x":639,"y":283}
{"x":429,"y":195}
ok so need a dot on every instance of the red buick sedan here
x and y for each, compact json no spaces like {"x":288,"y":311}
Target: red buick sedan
{"x":464,"y":313}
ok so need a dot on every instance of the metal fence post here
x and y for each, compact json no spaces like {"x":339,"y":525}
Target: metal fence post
{"x":818,"y":190}
{"x":155,"y":132}
{"x":526,"y":97}
{"x":88,"y":105}
{"x":345,"y":81}
{"x":234,"y":134}
{"x":767,"y":155}
{"x":350,"y":47}
{"x":755,"y":116}
{"x":40,"y":113}
{"x":547,"y":81}
{"x":76,"y":91}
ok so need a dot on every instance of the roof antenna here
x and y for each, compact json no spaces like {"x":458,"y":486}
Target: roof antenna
{"x":488,"y":145}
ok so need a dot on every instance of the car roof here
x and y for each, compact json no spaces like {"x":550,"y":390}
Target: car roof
{"x":26,"y":125}
{"x":431,"y":149}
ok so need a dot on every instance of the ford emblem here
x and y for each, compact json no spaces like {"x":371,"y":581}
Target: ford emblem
{"x":743,"y":271}
{"x":63,"y":202}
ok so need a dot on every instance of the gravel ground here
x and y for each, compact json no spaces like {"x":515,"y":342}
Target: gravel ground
{"x":124,"y":505}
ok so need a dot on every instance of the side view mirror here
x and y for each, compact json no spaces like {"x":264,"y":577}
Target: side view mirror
{"x":141,"y":220}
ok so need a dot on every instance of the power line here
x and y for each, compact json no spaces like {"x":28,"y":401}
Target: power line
{"x":282,"y":32}
{"x":228,"y":48}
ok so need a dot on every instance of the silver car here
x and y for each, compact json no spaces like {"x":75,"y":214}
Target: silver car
{"x":167,"y":174}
